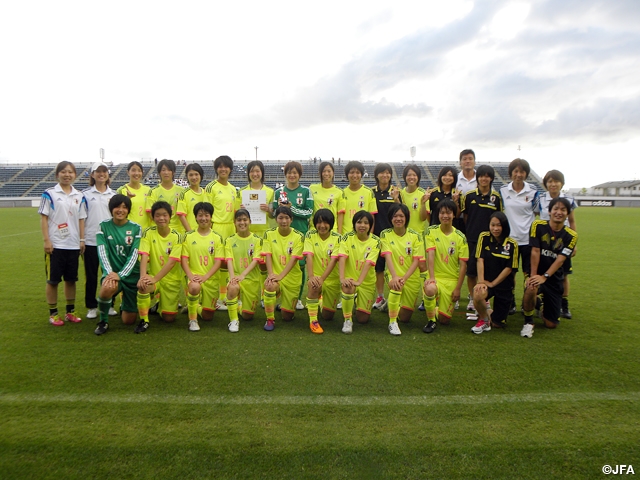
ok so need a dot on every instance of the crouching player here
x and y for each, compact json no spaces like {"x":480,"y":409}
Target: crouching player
{"x":160,"y":271}
{"x":321,"y":249}
{"x":118,"y":240}
{"x":447,"y":254}
{"x":202,"y":255}
{"x":359,"y":251}
{"x":242,"y":251}
{"x":551,"y":244}
{"x":282,"y":249}
{"x":402,"y":249}
{"x":497,"y":261}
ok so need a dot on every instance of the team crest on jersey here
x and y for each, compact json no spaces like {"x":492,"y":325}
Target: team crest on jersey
{"x":452,"y":248}
{"x":330,"y":249}
{"x":545,"y":238}
{"x":408,"y":248}
{"x":290,"y":248}
{"x":367,"y":252}
{"x":414,"y":205}
{"x":492,"y":199}
{"x":168,"y":248}
{"x":361,"y":202}
{"x":330,"y":200}
{"x":128,"y":239}
{"x":250,"y":251}
{"x":299,"y":200}
{"x":212,"y":248}
{"x":558,"y":244}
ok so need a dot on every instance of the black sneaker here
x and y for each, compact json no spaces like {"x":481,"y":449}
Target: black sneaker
{"x":142,"y":327}
{"x":101,"y":328}
{"x":429,"y":327}
{"x":565,"y":313}
{"x":512,"y":310}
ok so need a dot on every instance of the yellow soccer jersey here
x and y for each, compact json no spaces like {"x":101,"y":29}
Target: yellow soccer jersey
{"x":223,"y":199}
{"x":202,"y":251}
{"x":160,"y":249}
{"x":450,"y":250}
{"x":138,"y":213}
{"x":186,"y":201}
{"x":361,"y":199}
{"x":159,"y":193}
{"x":402,"y":249}
{"x":329,"y":198}
{"x":281,"y":249}
{"x":257,"y":228}
{"x":242,"y":251}
{"x":412,"y":201}
{"x":322,"y":252}
{"x":358,"y":253}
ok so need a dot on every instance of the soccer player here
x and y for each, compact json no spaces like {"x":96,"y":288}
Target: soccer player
{"x":447,"y":254}
{"x":138,"y":193}
{"x":62,"y":215}
{"x":402,"y":248}
{"x":477,"y":206}
{"x":356,"y":196}
{"x":413,"y":196}
{"x":553,"y":181}
{"x":166,"y":191}
{"x":447,"y":179}
{"x":97,"y":198}
{"x":118,"y":241}
{"x":190,"y":197}
{"x":202,"y":255}
{"x":327,"y":195}
{"x":321,"y":249}
{"x":255,"y":174}
{"x":282,"y":249}
{"x":359,"y":251}
{"x":552,"y":242}
{"x":497,"y":262}
{"x":160,"y":272}
{"x":386,"y":196}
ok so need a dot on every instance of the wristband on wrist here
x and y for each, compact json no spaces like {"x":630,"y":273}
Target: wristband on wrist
{"x":82,"y":239}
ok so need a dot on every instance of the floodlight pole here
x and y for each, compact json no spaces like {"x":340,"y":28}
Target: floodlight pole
{"x":256,"y":153}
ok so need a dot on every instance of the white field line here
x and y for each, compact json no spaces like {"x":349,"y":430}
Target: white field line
{"x":373,"y":401}
{"x":18,"y":234}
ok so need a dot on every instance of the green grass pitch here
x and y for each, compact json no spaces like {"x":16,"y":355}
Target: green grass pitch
{"x":290,"y":404}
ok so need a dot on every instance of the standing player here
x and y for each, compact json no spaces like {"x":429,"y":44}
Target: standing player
{"x":497,"y":262}
{"x":357,"y":196}
{"x":321,"y":249}
{"x":166,"y":191}
{"x":62,"y":215}
{"x":242,"y":252}
{"x":413,"y":196}
{"x":255,"y":173}
{"x":137,"y":193}
{"x":118,"y":242}
{"x":190,"y":197}
{"x":327,"y":195}
{"x":447,"y":254}
{"x":467,"y":180}
{"x":447,"y":179}
{"x":282,"y":250}
{"x":402,"y":249}
{"x":359,"y":251}
{"x":202,"y":255}
{"x":551,"y":244}
{"x":160,"y":272}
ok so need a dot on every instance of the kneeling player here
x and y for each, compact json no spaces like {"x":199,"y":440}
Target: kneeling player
{"x":447,"y":255}
{"x":497,"y":261}
{"x":160,"y":271}
{"x":551,"y":244}
{"x":359,"y":251}
{"x":118,"y":240}
{"x":321,"y":249}
{"x":242,"y":251}
{"x":202,"y":255}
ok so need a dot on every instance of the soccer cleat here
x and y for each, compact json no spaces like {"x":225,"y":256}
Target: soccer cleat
{"x":527,"y":330}
{"x":270,"y":325}
{"x":471,"y":307}
{"x":347,"y":326}
{"x":71,"y":317}
{"x":193,"y":326}
{"x":378,"y":303}
{"x":512,"y":310}
{"x":101,"y":328}
{"x":92,"y":313}
{"x":394,"y":329}
{"x":112,"y":312}
{"x":222,"y":306}
{"x":457,"y":305}
{"x":315,"y":327}
{"x":300,"y":305}
{"x":56,"y":321}
{"x":184,"y":309}
{"x":429,"y":327}
{"x":565,"y":313}
{"x":421,"y":307}
{"x":384,"y":307}
{"x":277,"y":307}
{"x":481,"y":326}
{"x":141,"y":327}
{"x":234,"y":326}
{"x":339,"y":306}
{"x":262,"y":303}
{"x":154,"y":309}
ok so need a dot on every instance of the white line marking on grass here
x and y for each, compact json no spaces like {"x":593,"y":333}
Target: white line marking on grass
{"x":18,"y":234}
{"x":372,"y":401}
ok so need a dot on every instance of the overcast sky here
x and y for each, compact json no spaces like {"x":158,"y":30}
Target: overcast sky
{"x":356,"y":80}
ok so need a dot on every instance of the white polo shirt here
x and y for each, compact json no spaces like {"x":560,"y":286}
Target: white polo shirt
{"x":63,"y":213}
{"x":520,"y":208}
{"x":465,"y":185}
{"x":97,"y":211}
{"x":545,"y":199}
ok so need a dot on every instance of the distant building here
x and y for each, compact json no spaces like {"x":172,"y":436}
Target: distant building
{"x":618,"y":189}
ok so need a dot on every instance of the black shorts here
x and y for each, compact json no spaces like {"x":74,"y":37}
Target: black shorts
{"x":472,"y":268}
{"x":380,"y":264}
{"x":61,"y":264}
{"x":567,"y":267}
{"x":524,"y":253}
{"x":552,"y":291}
{"x":501,"y":304}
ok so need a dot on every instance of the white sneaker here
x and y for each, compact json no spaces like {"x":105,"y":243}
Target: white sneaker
{"x":234,"y":326}
{"x":527,"y":330}
{"x":482,"y":326}
{"x":92,"y":313}
{"x":300,"y":305}
{"x":193,"y":326}
{"x":347,"y":327}
{"x":379,"y":302}
{"x":471,"y":306}
{"x":394,"y":329}
{"x":112,"y":312}
{"x":220,"y":305}
{"x":339,"y":306}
